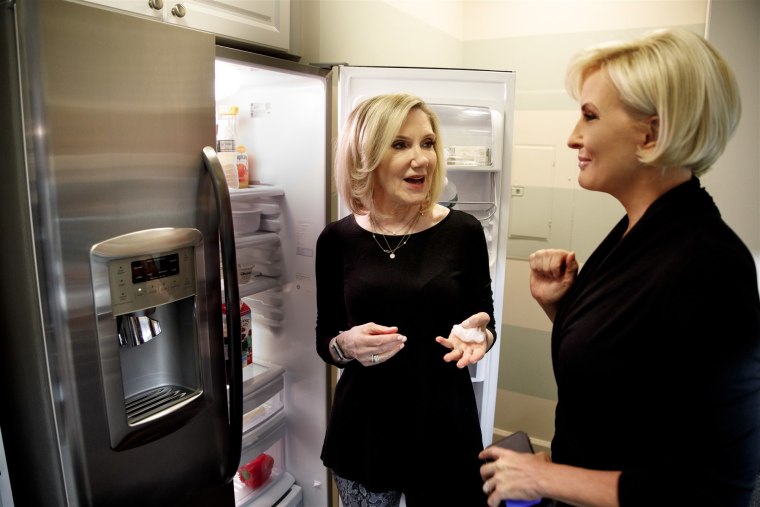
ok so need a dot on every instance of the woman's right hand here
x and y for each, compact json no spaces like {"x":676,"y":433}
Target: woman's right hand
{"x":552,"y":273}
{"x":369,"y":341}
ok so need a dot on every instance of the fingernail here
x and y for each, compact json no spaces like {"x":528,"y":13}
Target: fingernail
{"x":401,"y":338}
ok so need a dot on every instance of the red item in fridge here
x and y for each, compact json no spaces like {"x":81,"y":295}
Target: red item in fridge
{"x":257,"y":471}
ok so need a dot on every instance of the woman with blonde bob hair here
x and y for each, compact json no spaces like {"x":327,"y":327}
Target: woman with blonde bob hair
{"x":656,"y":340}
{"x":361,"y":151}
{"x":404,"y":305}
{"x":679,"y":78}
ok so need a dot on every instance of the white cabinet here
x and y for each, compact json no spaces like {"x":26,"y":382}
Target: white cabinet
{"x":262,"y":22}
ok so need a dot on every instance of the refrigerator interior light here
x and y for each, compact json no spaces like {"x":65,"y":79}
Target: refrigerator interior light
{"x":227,"y":79}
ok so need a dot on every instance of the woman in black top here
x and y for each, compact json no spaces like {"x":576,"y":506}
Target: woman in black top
{"x":393,"y":279}
{"x":656,"y":341}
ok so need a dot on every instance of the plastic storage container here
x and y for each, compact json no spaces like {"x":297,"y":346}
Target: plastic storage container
{"x":469,"y":134}
{"x":270,"y":224}
{"x":269,"y":210}
{"x":262,"y":252}
{"x":246,"y":221}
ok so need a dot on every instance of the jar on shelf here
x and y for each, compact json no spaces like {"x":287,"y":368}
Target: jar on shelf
{"x":226,"y":143}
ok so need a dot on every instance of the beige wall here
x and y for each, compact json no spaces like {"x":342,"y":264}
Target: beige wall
{"x":535,"y":38}
{"x":734,"y":182}
{"x":370,"y":32}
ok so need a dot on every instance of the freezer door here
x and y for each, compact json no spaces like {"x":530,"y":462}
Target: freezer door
{"x":116,"y":110}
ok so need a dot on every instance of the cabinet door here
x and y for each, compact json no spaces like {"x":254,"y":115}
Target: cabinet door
{"x":263,"y":22}
{"x":150,"y":8}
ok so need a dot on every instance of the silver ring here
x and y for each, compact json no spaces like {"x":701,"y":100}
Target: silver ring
{"x":375,"y":358}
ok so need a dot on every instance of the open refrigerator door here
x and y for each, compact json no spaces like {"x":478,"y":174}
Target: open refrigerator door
{"x":283,"y":121}
{"x":278,"y":213}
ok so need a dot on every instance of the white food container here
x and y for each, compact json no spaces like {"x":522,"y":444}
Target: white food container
{"x":246,"y":221}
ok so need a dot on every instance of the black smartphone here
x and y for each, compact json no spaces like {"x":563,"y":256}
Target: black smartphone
{"x":518,"y":441}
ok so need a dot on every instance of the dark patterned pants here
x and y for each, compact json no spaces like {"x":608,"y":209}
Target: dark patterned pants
{"x":354,"y":494}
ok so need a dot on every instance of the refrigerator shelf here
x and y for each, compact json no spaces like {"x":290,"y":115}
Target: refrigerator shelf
{"x":282,"y":487}
{"x":256,"y":191}
{"x":258,"y":284}
{"x":473,"y":168}
{"x":268,"y":299}
{"x":257,"y":240}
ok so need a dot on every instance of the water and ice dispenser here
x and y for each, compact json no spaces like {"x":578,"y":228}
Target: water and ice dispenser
{"x":145,"y":286}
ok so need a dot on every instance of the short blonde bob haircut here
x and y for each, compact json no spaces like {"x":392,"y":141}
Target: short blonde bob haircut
{"x":369,"y":132}
{"x":678,"y":76}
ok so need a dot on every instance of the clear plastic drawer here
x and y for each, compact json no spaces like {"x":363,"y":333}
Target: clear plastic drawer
{"x":262,"y":393}
{"x":262,"y":462}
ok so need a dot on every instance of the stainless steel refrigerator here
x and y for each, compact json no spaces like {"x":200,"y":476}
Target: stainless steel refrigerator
{"x":113,"y":365}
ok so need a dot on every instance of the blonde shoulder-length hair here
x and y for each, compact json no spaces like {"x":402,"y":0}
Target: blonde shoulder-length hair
{"x":681,"y":78}
{"x":369,"y":132}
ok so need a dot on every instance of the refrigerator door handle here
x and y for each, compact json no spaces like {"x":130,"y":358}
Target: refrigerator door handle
{"x":231,"y":293}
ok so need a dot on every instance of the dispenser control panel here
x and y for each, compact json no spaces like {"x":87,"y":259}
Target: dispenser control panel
{"x":146,"y":281}
{"x":146,"y":269}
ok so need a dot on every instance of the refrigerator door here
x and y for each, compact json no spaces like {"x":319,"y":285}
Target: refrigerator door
{"x":475,"y":109}
{"x":105,"y":190}
{"x":283,"y":123}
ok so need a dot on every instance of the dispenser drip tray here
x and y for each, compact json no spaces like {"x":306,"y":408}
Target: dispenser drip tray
{"x":153,"y":401}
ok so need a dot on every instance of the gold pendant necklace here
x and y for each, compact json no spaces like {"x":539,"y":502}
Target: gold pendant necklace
{"x":392,"y":251}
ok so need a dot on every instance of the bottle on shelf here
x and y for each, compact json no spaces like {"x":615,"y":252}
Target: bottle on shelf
{"x":246,"y":333}
{"x":226,"y":140}
{"x":242,"y":166}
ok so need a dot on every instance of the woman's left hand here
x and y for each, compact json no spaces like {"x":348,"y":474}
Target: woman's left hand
{"x":512,"y":475}
{"x":467,"y":352}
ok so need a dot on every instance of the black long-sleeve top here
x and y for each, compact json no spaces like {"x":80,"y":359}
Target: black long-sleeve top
{"x":656,"y":353}
{"x":414,"y":406}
